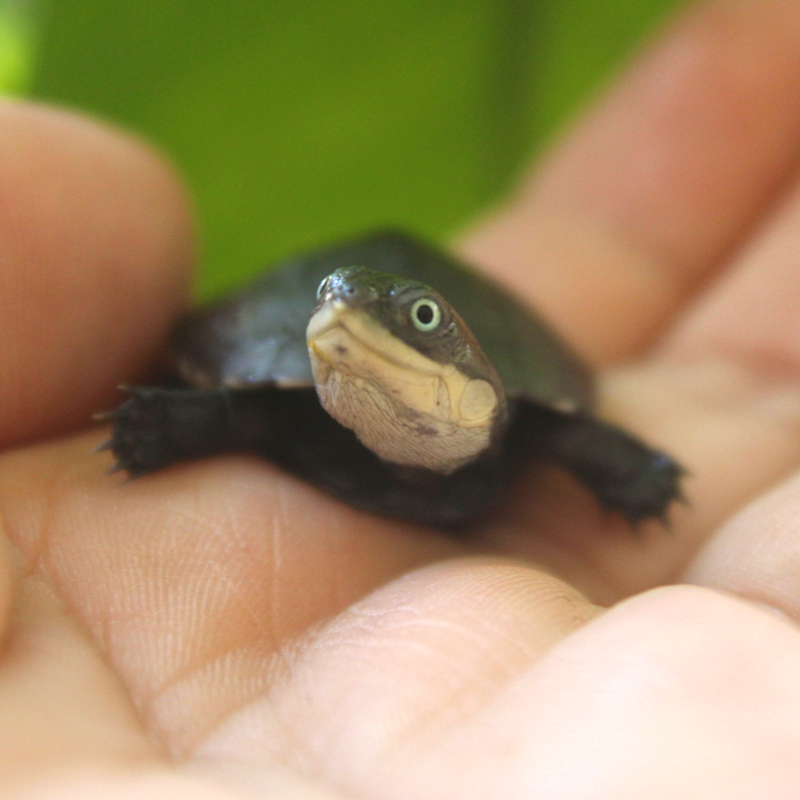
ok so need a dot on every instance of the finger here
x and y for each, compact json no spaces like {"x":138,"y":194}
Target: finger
{"x":194,"y":581}
{"x":666,"y":696}
{"x":752,"y":314}
{"x":8,"y":585}
{"x":61,"y":704}
{"x":637,"y":208}
{"x":430,"y":650}
{"x":94,"y":246}
{"x":757,"y":554}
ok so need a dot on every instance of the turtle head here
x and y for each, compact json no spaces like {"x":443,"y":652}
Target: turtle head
{"x":394,"y":362}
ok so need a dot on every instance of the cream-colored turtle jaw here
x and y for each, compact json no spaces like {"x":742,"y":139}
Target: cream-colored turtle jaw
{"x":364,"y":329}
{"x":406,"y":407}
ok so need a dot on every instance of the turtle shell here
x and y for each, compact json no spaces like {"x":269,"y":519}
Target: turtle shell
{"x":256,"y":336}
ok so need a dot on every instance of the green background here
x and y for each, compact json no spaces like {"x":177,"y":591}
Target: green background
{"x":296,"y":122}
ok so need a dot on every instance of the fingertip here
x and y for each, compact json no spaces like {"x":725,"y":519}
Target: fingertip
{"x":95,"y":236}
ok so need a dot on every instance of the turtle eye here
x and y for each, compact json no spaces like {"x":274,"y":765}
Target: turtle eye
{"x":426,"y":315}
{"x":323,"y":286}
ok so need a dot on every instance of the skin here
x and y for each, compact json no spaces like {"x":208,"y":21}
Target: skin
{"x":220,"y":630}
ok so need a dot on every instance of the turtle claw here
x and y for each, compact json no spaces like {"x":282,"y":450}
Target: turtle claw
{"x":113,"y":414}
{"x":140,"y":439}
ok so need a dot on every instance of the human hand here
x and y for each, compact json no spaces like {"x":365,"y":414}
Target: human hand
{"x":275,"y":643}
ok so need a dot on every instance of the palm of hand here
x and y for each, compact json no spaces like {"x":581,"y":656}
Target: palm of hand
{"x":225,"y":613}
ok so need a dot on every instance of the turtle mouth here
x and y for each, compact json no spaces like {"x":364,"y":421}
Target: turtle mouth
{"x":334,"y":325}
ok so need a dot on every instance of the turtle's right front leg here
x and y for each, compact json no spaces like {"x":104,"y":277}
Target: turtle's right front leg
{"x":156,"y":427}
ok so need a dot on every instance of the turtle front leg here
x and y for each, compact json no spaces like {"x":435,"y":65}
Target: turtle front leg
{"x":624,"y":474}
{"x":156,"y":427}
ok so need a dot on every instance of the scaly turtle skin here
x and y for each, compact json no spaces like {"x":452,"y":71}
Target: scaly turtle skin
{"x":348,"y":369}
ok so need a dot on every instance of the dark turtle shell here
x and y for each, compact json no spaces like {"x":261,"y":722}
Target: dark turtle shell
{"x":256,"y":337}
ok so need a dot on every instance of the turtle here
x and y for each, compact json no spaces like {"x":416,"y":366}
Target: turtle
{"x":394,"y":377}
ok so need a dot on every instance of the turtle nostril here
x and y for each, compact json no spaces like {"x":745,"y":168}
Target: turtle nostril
{"x":344,"y":291}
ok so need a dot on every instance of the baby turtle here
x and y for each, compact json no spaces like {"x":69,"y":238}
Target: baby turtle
{"x":349,"y":370}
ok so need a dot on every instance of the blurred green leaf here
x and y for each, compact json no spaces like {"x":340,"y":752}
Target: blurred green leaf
{"x":296,"y":122}
{"x":16,"y":47}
